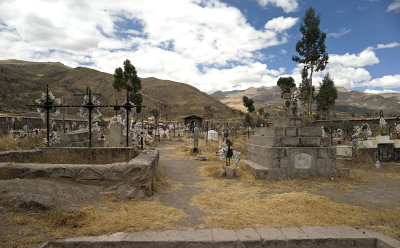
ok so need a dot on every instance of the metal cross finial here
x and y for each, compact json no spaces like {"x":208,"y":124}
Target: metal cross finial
{"x":89,"y":106}
{"x":48,"y":105}
{"x":128,"y":107}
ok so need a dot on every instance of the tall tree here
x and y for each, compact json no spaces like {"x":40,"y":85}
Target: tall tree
{"x":304,"y":87}
{"x":249,"y":104}
{"x":311,"y":49}
{"x":127,"y":79}
{"x":327,"y":95}
{"x":285,"y":83}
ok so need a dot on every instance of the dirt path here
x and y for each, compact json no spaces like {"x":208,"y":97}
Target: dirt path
{"x":381,"y":193}
{"x":184,"y":171}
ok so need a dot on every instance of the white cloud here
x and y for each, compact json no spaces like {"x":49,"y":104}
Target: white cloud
{"x":342,"y":31}
{"x":389,"y":81}
{"x":286,"y":5}
{"x":364,"y":58}
{"x":373,"y":91}
{"x":281,"y":23}
{"x":164,"y":39}
{"x":394,"y":6}
{"x":390,"y":45}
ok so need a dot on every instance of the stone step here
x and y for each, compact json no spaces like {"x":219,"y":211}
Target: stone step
{"x":301,"y":237}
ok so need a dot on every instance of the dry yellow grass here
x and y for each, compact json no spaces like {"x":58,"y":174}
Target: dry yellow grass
{"x":246,"y":180}
{"x":250,"y":202}
{"x":119,"y":217}
{"x":235,"y":211}
{"x":8,"y":143}
{"x":13,"y":241}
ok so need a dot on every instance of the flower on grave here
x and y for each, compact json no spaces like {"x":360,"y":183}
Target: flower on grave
{"x":116,"y":119}
{"x":84,"y":112}
{"x":51,"y":101}
{"x":382,"y":123}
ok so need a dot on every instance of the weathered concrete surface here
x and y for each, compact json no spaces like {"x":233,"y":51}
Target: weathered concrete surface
{"x":299,"y":237}
{"x":71,"y":155}
{"x":288,"y":149}
{"x":133,"y":179}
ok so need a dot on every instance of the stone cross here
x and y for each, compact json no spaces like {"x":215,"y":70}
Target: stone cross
{"x":196,"y":137}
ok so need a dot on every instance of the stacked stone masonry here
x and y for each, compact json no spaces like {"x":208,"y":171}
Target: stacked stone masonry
{"x":290,"y":149}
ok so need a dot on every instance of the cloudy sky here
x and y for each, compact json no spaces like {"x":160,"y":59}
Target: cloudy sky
{"x":212,"y":45}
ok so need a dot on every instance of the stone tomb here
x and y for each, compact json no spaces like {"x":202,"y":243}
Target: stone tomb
{"x":288,"y":149}
{"x":79,"y":138}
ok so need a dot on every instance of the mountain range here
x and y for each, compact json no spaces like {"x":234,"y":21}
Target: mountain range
{"x":21,"y":82}
{"x":349,"y":102}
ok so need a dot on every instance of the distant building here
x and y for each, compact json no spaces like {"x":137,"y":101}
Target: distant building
{"x":193,"y":120}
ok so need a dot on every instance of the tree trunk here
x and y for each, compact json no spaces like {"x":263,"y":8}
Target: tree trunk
{"x":310,"y":98}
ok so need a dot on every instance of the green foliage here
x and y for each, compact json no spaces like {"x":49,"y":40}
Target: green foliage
{"x":312,"y":51}
{"x":304,"y":87}
{"x":249,"y":104}
{"x":260,"y":122}
{"x":155,"y":113}
{"x":248,"y":120}
{"x":261,"y":111}
{"x":327,"y":94}
{"x":285,"y":83}
{"x":311,"y":47}
{"x":128,"y":79}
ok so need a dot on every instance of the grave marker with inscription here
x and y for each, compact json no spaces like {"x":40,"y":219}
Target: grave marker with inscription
{"x":289,"y":149}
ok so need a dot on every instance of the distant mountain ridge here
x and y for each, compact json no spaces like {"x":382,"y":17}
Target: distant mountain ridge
{"x":349,"y":101}
{"x":21,"y":82}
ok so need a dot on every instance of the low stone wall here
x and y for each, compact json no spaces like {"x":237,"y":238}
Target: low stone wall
{"x":71,"y":155}
{"x":129,"y":180}
{"x":301,"y":237}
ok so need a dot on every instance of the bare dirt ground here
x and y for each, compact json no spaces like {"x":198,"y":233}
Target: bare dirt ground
{"x":184,"y":185}
{"x":183,"y":172}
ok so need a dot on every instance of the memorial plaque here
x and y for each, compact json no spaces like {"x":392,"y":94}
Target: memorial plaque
{"x":302,"y":161}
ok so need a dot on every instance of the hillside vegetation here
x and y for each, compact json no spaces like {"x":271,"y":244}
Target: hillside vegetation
{"x":22,"y":82}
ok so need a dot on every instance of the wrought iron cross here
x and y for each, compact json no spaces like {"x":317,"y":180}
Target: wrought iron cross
{"x":89,"y":106}
{"x":128,"y":107}
{"x":47,"y":105}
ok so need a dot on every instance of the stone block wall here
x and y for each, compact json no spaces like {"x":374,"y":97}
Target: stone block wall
{"x":71,"y":155}
{"x":129,"y":180}
{"x":289,"y":149}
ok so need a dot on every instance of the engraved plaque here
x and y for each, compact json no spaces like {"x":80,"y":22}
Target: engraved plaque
{"x":302,"y":161}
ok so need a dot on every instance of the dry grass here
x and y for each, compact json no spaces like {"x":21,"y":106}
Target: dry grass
{"x":8,"y":143}
{"x":28,"y":238}
{"x":233,"y":210}
{"x":250,"y":202}
{"x":119,"y":217}
{"x":246,"y":181}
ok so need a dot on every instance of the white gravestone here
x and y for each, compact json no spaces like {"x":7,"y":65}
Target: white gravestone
{"x":116,"y":138}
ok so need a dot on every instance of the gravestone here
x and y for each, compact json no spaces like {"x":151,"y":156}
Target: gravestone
{"x":289,"y":149}
{"x":78,"y":138}
{"x":116,"y":137}
{"x":195,"y":148}
{"x":212,"y":135}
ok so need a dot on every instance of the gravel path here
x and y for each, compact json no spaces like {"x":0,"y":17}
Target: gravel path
{"x":184,"y":171}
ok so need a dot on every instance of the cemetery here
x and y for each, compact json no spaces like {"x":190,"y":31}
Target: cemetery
{"x":241,"y":154}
